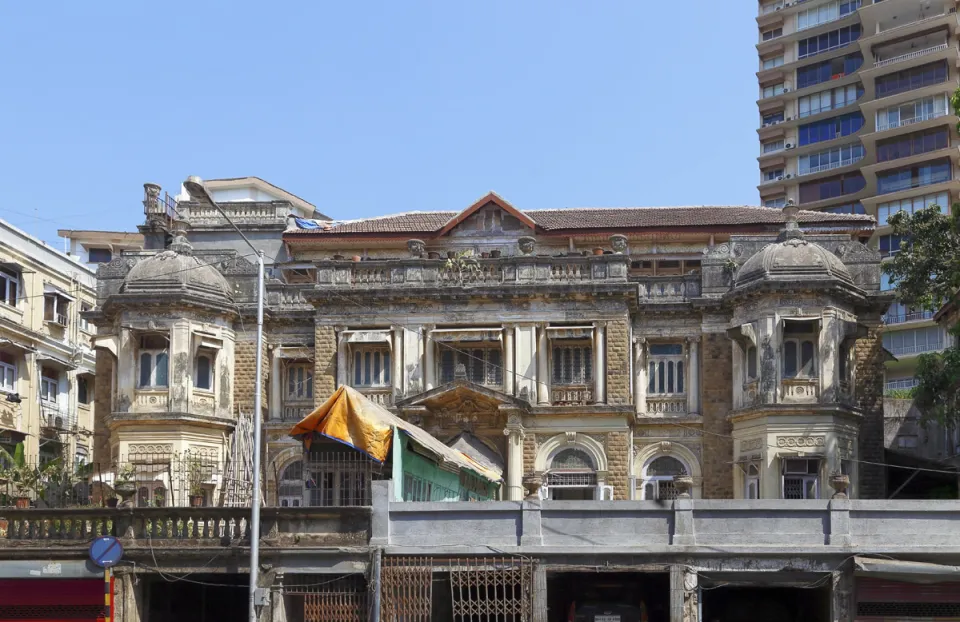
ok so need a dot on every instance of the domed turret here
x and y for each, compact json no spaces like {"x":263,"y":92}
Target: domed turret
{"x":176,"y":270}
{"x":792,"y":258}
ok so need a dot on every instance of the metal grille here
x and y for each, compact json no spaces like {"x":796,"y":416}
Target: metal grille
{"x":335,"y":607}
{"x":406,"y":589}
{"x":571,"y":479}
{"x":909,"y":610}
{"x":327,"y":479}
{"x":572,"y":365}
{"x":498,"y":589}
{"x":481,"y":365}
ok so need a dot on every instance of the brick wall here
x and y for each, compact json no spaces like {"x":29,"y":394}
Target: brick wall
{"x":244,"y":375}
{"x":717,"y":402}
{"x":869,"y":391}
{"x":325,"y":364}
{"x":618,"y":458}
{"x":529,"y":452}
{"x":102,"y":388}
{"x":618,"y":362}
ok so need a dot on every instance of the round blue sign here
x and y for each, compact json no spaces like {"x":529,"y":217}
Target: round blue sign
{"x":106,"y":551}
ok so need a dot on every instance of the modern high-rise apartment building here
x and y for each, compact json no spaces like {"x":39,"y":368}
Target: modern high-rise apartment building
{"x":855,"y":117}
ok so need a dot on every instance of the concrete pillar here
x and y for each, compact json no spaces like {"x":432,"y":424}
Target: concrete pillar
{"x":412,"y":368}
{"x":396,"y":373}
{"x":525,"y":351}
{"x":842,"y":601}
{"x":341,"y":356}
{"x":693,"y":375}
{"x":684,"y":595}
{"x":430,"y":365}
{"x":828,"y":353}
{"x":509,"y":382}
{"x":276,"y":385}
{"x":514,"y":480}
{"x":599,"y":363}
{"x":543,"y":388}
{"x":539,"y":595}
{"x":640,"y":375}
{"x":126,"y":370}
{"x":127,"y":597}
{"x":180,"y":367}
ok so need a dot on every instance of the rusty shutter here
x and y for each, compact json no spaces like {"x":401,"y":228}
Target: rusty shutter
{"x":485,"y":588}
{"x":406,"y":589}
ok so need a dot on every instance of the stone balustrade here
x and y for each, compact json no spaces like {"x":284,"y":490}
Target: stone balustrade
{"x":498,"y":272}
{"x":148,"y":400}
{"x":246,"y":212}
{"x":668,"y":289}
{"x":381,"y":395}
{"x":800,"y":390}
{"x":295,"y":411}
{"x":666,"y":405}
{"x":571,"y":395}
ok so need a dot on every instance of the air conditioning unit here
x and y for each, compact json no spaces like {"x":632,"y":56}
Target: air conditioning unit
{"x":789,"y":175}
{"x":788,"y":146}
{"x":780,"y":178}
{"x":789,"y":118}
{"x":786,"y":90}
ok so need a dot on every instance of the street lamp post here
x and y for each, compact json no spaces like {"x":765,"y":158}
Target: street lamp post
{"x":196,"y":189}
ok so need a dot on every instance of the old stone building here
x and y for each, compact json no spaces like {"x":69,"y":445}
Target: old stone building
{"x":606,"y":351}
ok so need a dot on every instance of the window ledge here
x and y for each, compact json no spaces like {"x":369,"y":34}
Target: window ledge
{"x":203,"y":392}
{"x":8,"y":307}
{"x":83,"y":406}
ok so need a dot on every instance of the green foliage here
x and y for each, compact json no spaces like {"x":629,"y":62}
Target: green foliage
{"x":18,"y":472}
{"x":899,"y":394}
{"x":927,"y":268}
{"x":955,"y":103}
{"x":926,"y":272}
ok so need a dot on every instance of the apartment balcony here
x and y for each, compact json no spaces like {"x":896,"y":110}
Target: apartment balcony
{"x":910,"y":56}
{"x":508,"y":273}
{"x":666,"y":405}
{"x":883,"y":125}
{"x":800,"y":390}
{"x":814,"y":171}
{"x":917,"y":316}
{"x":176,"y":528}
{"x":571,"y":395}
{"x":904,"y":384}
{"x":57,"y":419}
{"x":382,"y":396}
{"x":668,"y":289}
{"x":916,"y":349}
{"x":242,"y":213}
{"x":889,"y":21}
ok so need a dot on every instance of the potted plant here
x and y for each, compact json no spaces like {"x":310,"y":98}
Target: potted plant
{"x":125,"y":486}
{"x":598,"y":251}
{"x":195,"y":481}
{"x":22,"y":476}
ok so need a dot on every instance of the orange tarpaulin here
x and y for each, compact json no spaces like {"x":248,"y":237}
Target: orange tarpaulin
{"x":350,"y":418}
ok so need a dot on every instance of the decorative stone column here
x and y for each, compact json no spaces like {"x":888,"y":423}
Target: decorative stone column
{"x":693,"y":375}
{"x":396,"y":373}
{"x":276,"y":384}
{"x":508,"y":360}
{"x":514,"y":480}
{"x":640,"y":375}
{"x":599,"y":363}
{"x":179,"y":374}
{"x":341,"y":356}
{"x":429,"y":359}
{"x":543,"y":388}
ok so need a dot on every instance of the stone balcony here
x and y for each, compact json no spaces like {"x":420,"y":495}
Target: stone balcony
{"x":251,"y":213}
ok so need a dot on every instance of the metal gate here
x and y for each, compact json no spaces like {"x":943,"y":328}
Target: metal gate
{"x":406,"y":589}
{"x":342,"y":599}
{"x":485,"y":588}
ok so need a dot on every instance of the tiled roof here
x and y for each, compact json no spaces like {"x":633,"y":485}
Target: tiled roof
{"x":601,"y":218}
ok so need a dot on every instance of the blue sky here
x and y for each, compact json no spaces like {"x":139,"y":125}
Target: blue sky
{"x":377,"y":107}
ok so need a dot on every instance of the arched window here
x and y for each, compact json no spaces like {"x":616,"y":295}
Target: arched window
{"x":658,"y":476}
{"x":290,"y":485}
{"x":666,"y":369}
{"x":799,"y":349}
{"x":572,"y":476}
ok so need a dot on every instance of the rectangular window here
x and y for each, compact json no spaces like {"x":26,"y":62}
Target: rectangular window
{"x":828,"y":70}
{"x":55,"y":308}
{"x":777,"y":202}
{"x":751,"y":481}
{"x":830,"y":159}
{"x":750,"y":354}
{"x":847,"y":208}
{"x":912,"y":112}
{"x":831,"y":99}
{"x":911,"y":205}
{"x":83,"y":390}
{"x":9,"y":286}
{"x":772,"y":174}
{"x":84,"y":324}
{"x":799,"y":346}
{"x":914,"y":341}
{"x":911,"y":79}
{"x":917,"y":176}
{"x":572,"y":365}
{"x":825,"y":13}
{"x":49,"y":385}
{"x":831,"y":187}
{"x":371,"y":367}
{"x":299,"y":382}
{"x":889,"y":244}
{"x":205,"y":367}
{"x":773,"y":33}
{"x":772,"y":63}
{"x":801,"y":478}
{"x":154,"y":361}
{"x":828,"y":41}
{"x":773,"y":118}
{"x":774,"y":145}
{"x":913,"y":144}
{"x":483,"y":366}
{"x":666,"y":369}
{"x":8,"y":372}
{"x":772,"y":90}
{"x":99,"y":255}
{"x":830,"y":129}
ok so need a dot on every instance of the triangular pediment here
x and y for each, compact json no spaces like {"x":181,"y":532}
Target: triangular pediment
{"x":490,"y":214}
{"x":463,"y":395}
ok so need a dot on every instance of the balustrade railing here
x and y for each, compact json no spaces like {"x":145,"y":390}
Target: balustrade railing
{"x":380,"y":395}
{"x":667,"y":404}
{"x":669,"y":288}
{"x":911,"y":55}
{"x":800,"y":389}
{"x":571,"y":395}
